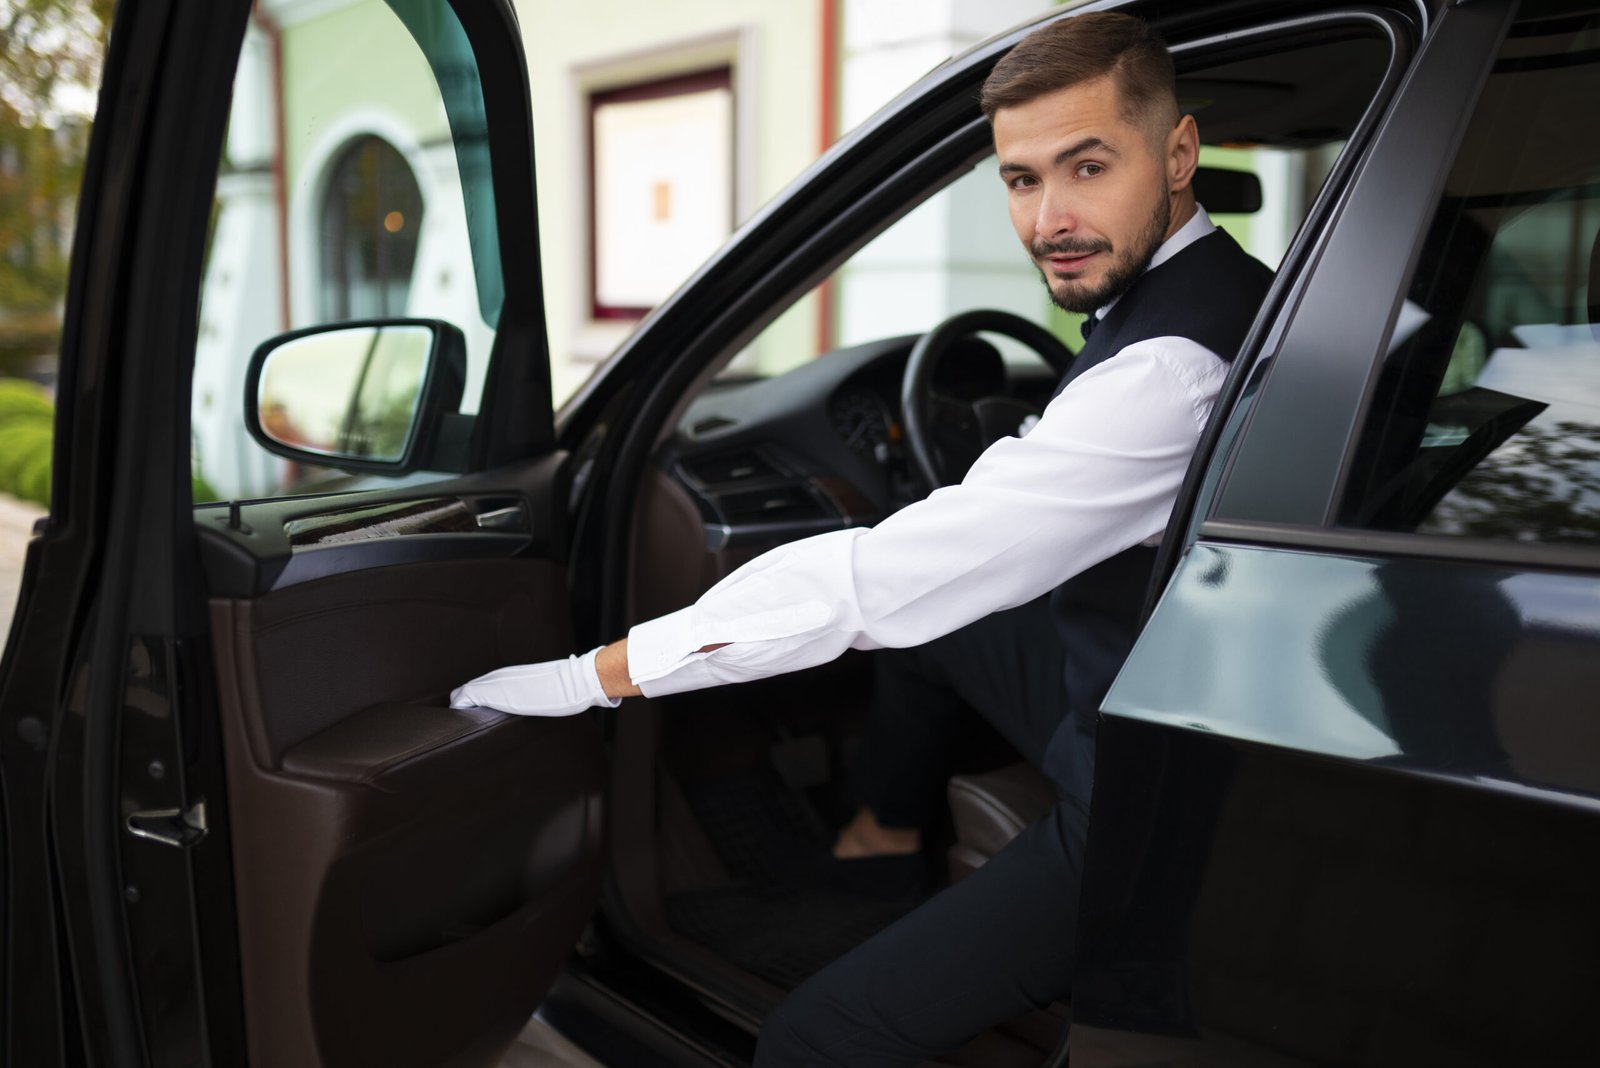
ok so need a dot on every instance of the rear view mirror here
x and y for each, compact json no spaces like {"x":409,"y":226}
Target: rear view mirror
{"x":1227,"y":192}
{"x":366,"y":396}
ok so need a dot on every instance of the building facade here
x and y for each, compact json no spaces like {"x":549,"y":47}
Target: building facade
{"x":354,"y":187}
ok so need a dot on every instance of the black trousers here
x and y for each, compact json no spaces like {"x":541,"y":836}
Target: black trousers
{"x":996,"y":944}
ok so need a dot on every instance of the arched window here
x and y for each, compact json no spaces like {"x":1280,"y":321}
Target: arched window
{"x":371,"y":218}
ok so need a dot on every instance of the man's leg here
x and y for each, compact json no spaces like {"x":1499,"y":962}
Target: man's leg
{"x":992,"y":946}
{"x":1007,"y":666}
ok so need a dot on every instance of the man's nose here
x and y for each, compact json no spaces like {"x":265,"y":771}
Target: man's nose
{"x":1058,"y":215}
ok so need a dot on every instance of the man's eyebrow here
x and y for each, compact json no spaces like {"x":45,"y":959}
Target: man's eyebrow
{"x":1088,"y":144}
{"x":1077,"y":148}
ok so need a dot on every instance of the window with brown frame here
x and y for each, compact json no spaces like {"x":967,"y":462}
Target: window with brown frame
{"x":660,"y":187}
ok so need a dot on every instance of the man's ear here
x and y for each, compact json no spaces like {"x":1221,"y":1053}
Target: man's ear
{"x":1183,"y":154}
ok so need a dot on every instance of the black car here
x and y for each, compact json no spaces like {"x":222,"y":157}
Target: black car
{"x":1347,"y":795}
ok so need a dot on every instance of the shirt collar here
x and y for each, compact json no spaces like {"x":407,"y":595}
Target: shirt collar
{"x":1198,"y":226}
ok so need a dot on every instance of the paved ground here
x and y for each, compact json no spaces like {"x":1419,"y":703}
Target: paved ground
{"x":540,"y":1047}
{"x":16,"y":523}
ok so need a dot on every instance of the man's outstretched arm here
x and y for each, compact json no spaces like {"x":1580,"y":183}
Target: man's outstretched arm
{"x":611,"y":664}
{"x":1098,"y":473}
{"x":558,"y":687}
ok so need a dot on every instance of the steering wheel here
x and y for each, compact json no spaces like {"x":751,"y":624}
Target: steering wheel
{"x":946,"y":434}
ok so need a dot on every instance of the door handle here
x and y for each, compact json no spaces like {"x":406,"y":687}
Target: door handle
{"x":513,"y":518}
{"x":170,"y":826}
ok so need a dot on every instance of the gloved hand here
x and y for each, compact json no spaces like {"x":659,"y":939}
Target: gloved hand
{"x":553,"y":688}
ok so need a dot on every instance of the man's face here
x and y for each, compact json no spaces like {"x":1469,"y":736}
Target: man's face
{"x":1088,"y":190}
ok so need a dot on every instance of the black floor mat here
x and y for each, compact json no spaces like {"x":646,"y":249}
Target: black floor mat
{"x":779,"y":932}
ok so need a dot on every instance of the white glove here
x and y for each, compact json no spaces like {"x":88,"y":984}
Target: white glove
{"x":553,"y":688}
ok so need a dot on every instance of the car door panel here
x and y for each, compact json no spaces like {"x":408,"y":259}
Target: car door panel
{"x":309,"y":657}
{"x":409,"y":875}
{"x":1330,"y":828}
{"x":1281,"y":908}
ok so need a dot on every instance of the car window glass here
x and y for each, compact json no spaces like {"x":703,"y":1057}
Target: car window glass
{"x":1486,"y":419}
{"x":354,"y":185}
{"x":1282,"y":116}
{"x":957,"y":252}
{"x":954,"y":252}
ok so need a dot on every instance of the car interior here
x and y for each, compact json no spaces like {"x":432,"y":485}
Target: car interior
{"x":719,"y":786}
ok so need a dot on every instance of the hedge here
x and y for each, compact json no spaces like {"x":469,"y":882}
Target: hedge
{"x":27,"y":433}
{"x":27,"y":423}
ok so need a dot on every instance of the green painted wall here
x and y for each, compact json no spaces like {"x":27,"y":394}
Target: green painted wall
{"x":329,"y":70}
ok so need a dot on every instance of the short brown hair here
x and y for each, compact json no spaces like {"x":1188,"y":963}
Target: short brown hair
{"x":1074,"y":50}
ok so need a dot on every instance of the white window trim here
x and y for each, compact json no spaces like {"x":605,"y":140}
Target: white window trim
{"x":594,"y":339}
{"x":311,"y":186}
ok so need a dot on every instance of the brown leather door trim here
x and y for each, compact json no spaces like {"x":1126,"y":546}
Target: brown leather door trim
{"x":409,"y":877}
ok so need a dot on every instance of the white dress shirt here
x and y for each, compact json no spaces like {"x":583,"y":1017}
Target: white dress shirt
{"x":1097,"y":474}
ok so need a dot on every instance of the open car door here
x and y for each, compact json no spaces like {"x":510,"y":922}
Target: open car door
{"x":242,"y":824}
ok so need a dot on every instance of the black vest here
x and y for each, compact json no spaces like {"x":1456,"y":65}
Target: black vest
{"x":1208,"y":293}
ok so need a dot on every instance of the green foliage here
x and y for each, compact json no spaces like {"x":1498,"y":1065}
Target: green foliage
{"x":24,"y":400}
{"x":19,"y":441}
{"x":50,"y":54}
{"x":40,"y":170}
{"x":201,"y":491}
{"x":27,"y":427}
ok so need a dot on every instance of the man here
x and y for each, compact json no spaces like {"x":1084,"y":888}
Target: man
{"x":1016,"y":592}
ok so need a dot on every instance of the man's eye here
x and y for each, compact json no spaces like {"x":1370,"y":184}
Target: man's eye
{"x":1089,"y":170}
{"x":1021,"y":181}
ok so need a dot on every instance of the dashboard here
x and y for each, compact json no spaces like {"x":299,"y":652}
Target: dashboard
{"x":822,"y":446}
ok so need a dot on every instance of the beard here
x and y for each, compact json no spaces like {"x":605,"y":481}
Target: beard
{"x":1120,"y":276}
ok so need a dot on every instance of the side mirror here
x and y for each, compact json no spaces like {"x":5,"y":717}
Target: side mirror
{"x":360,"y":396}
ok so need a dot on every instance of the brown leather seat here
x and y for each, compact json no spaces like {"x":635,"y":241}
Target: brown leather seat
{"x":992,"y":808}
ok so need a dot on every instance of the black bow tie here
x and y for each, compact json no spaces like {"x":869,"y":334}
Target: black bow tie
{"x":1089,"y":323}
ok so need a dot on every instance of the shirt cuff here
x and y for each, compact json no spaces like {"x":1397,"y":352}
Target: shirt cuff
{"x":659,"y":645}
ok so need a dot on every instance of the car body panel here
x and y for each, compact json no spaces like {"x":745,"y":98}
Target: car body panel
{"x":1448,"y":670}
{"x":1250,"y":905}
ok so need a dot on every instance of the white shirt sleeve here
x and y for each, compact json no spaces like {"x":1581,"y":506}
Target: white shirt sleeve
{"x":1098,"y":474}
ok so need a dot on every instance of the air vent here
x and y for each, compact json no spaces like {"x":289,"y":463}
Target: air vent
{"x":731,"y":468}
{"x":710,"y":425}
{"x":780,"y":504}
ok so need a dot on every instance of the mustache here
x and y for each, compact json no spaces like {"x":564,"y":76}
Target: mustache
{"x":1068,"y":247}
